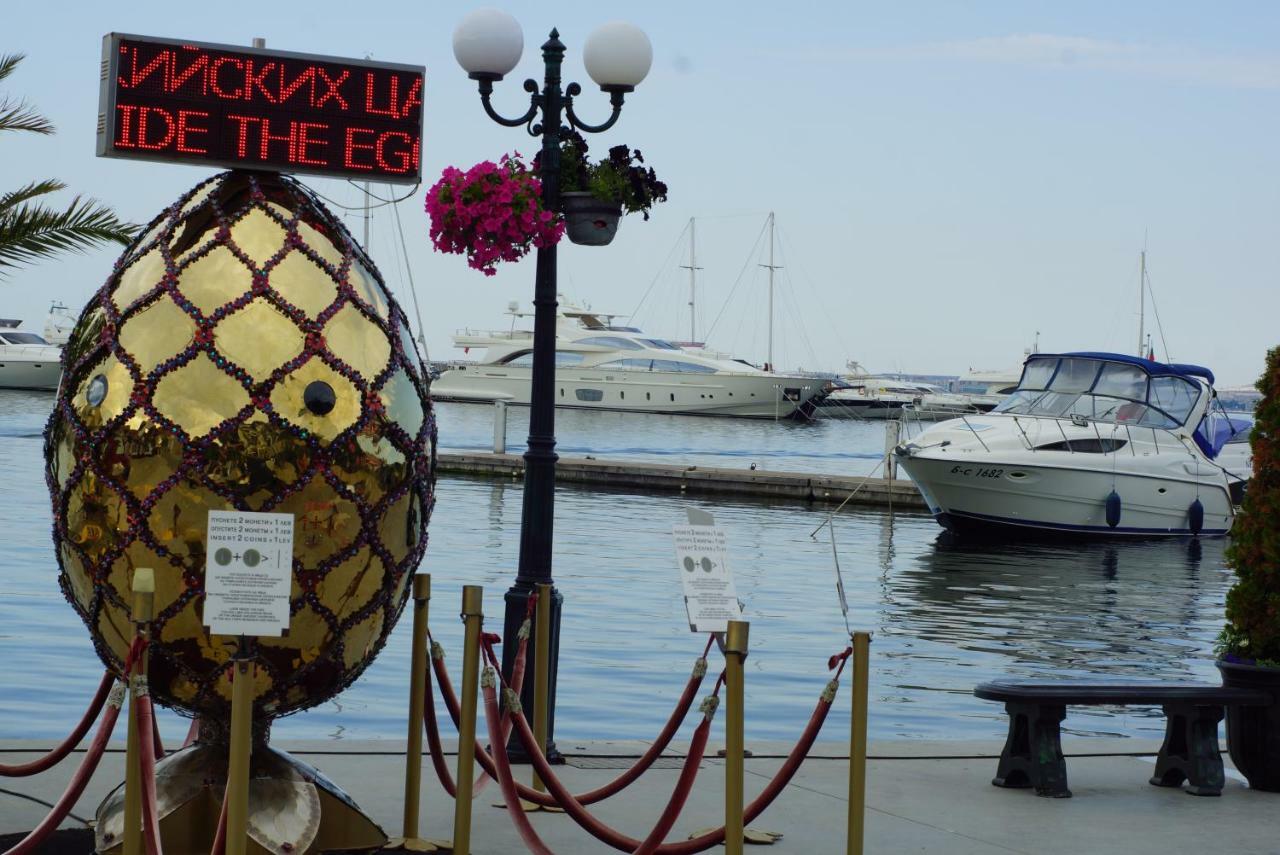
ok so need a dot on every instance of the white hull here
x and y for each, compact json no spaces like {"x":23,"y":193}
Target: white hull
{"x":758,"y":396}
{"x":26,"y":374}
{"x":1015,"y":491}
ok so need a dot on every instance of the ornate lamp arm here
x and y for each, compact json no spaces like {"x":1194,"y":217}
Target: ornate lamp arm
{"x":616,"y":94}
{"x":535,"y":102}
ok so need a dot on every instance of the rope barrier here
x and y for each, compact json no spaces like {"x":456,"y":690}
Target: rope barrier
{"x":220,"y":835}
{"x":608,"y":790}
{"x":147,"y":761}
{"x":58,"y":754}
{"x":62,"y":808}
{"x":489,"y":682}
{"x":617,"y":840}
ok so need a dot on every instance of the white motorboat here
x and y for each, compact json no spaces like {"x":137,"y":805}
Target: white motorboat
{"x":603,"y":366}
{"x":869,"y":397}
{"x":987,"y":389}
{"x":27,"y":361}
{"x":1089,"y":443}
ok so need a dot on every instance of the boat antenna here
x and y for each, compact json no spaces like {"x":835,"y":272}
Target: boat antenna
{"x":693,"y":268}
{"x":771,"y":267}
{"x":1142,"y":300}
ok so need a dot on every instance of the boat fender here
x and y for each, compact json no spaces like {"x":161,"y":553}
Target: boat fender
{"x":1113,"y":509}
{"x":1195,"y":516}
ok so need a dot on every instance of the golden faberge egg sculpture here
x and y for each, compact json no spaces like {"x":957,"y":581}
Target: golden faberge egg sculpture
{"x":243,"y":355}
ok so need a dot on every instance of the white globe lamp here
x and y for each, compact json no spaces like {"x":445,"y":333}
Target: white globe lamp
{"x":617,"y":55}
{"x":488,"y":43}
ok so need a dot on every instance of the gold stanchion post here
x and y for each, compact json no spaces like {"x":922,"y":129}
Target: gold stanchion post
{"x":735,"y":653}
{"x":417,"y":689}
{"x":473,"y":619}
{"x":541,"y":672}
{"x":858,"y":743}
{"x":241,"y":747}
{"x":144,"y":591}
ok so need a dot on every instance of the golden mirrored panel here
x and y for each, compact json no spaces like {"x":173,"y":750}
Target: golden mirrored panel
{"x":198,"y":396}
{"x":60,"y":453}
{"x":142,"y":453}
{"x":324,"y":523}
{"x":359,"y":639}
{"x":96,"y":516}
{"x":138,"y":279}
{"x":84,"y":338}
{"x":199,"y":197}
{"x":301,"y":282}
{"x":368,"y":289}
{"x":407,"y":344}
{"x":214,"y":280}
{"x":370,"y":465}
{"x":320,"y":245}
{"x":287,"y":399}
{"x":169,"y":583}
{"x":179,"y":521}
{"x":256,"y":461}
{"x":157,"y":332}
{"x":114,"y":630}
{"x":111,"y":386}
{"x":358,"y":342}
{"x":258,"y":338}
{"x":258,"y":236}
{"x":78,"y":581}
{"x":349,"y":587}
{"x":400,"y":397}
{"x":398,"y":528}
{"x":309,"y":634}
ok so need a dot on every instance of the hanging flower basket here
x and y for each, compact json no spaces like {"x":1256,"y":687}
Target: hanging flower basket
{"x":492,"y":212}
{"x":589,"y":221}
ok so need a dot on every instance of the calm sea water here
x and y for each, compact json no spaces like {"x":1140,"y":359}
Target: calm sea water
{"x":945,"y":615}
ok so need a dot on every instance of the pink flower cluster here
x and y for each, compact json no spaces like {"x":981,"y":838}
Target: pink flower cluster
{"x":492,"y":212}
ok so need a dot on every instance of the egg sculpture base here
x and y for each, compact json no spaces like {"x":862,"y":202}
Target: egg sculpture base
{"x":293,"y":807}
{"x":243,"y":356}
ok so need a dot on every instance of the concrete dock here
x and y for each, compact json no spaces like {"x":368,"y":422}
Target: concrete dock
{"x":923,"y":797}
{"x":758,"y":483}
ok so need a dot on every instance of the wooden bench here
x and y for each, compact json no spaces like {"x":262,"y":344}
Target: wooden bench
{"x":1032,"y":755}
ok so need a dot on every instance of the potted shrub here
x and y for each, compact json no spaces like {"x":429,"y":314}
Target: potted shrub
{"x":1249,"y":645}
{"x":595,"y":194}
{"x":492,"y":212}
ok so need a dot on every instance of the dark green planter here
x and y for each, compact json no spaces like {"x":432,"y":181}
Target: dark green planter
{"x":1253,"y":733}
{"x":588,"y":220}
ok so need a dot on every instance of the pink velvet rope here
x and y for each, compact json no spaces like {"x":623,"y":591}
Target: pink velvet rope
{"x":58,"y":754}
{"x":147,"y":762}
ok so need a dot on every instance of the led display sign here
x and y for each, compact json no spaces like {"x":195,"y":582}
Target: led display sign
{"x":253,"y":108}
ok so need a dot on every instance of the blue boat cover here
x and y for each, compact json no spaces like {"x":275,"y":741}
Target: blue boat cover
{"x":1217,"y":429}
{"x":1178,"y":369}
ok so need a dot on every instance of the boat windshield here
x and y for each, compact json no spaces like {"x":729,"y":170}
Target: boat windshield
{"x":14,"y":337}
{"x":1112,"y":392}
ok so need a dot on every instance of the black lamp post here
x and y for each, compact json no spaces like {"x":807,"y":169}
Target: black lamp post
{"x":488,"y":44}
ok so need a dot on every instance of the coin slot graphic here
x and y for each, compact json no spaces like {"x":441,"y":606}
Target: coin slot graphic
{"x":707,"y":564}
{"x":222,"y":556}
{"x":252,"y":557}
{"x":689,"y":564}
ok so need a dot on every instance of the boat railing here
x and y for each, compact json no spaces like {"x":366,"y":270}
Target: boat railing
{"x":48,"y":351}
{"x":502,"y":335}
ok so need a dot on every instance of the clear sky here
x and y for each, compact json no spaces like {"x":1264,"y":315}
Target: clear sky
{"x":948,"y":179}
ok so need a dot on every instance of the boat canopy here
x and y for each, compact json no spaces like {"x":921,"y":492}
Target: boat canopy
{"x":1156,"y":369}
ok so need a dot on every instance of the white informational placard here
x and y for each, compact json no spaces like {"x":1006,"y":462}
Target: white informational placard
{"x":248,"y":569}
{"x":702,"y":554}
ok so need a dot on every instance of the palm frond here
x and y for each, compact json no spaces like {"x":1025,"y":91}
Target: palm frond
{"x":21,"y":116}
{"x":31,"y":191}
{"x":30,"y":232}
{"x":8,"y":62}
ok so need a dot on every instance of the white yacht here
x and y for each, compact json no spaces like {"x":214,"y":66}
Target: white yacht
{"x":603,"y":366}
{"x":863,"y":396}
{"x":27,"y":361}
{"x":1093,"y":443}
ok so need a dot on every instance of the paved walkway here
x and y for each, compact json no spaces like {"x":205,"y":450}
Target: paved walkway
{"x":923,"y":797}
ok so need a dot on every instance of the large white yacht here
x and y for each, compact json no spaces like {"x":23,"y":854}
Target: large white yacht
{"x":26,"y":360}
{"x":1093,"y":443}
{"x":860,"y":395}
{"x":603,"y":366}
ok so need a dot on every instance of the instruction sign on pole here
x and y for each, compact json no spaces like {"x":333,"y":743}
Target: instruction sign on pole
{"x":248,"y":567}
{"x":702,"y":554}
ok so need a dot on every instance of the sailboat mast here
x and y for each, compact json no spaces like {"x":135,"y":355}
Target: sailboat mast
{"x":693,"y":284}
{"x":1142,"y":301}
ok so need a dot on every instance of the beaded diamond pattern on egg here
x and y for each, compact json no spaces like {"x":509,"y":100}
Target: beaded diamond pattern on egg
{"x":244,"y":354}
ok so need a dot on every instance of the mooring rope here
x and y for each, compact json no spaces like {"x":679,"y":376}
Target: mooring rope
{"x":58,"y":754}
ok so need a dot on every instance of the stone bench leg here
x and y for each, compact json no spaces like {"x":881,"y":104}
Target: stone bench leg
{"x":1190,"y":751}
{"x":1032,"y":755}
